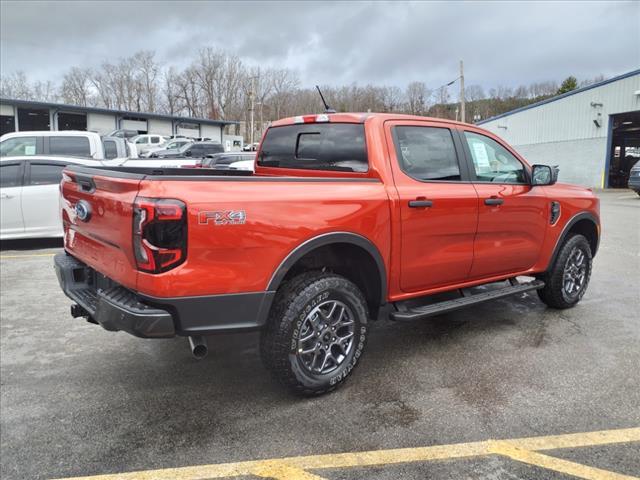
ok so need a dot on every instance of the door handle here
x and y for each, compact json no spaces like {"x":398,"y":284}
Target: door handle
{"x":420,"y":203}
{"x":493,"y":201}
{"x":5,"y":195}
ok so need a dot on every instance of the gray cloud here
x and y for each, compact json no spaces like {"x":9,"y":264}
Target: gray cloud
{"x":508,"y":43}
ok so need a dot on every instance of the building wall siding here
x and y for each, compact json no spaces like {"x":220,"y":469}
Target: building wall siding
{"x":581,"y":161}
{"x":211,"y":131}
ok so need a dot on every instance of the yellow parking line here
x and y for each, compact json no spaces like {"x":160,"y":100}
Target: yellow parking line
{"x":292,"y":466}
{"x":553,"y":463}
{"x":282,"y":471}
{"x":2,"y":257}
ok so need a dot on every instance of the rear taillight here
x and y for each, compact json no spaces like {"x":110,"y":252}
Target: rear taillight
{"x":159,"y":234}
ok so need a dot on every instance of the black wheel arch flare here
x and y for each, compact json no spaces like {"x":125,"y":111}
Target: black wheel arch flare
{"x":566,"y":230}
{"x":327,"y":239}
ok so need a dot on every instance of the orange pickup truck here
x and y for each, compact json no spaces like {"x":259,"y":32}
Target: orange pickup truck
{"x":348,"y":218}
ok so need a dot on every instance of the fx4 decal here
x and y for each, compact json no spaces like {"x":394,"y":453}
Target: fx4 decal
{"x":227,"y":217}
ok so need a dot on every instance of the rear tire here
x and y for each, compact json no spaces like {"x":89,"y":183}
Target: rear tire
{"x":567,"y":280}
{"x":316,"y":333}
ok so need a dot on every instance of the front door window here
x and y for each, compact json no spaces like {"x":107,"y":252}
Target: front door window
{"x":492,"y":162}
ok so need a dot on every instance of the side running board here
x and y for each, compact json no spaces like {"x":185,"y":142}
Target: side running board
{"x":468,"y":299}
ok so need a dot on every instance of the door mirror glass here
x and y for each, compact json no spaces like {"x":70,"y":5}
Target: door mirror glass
{"x":544,"y":175}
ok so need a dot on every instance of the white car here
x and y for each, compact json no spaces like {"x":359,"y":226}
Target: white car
{"x":30,"y":195}
{"x":147,"y":141}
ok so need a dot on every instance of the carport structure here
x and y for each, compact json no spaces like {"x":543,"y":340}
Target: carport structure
{"x":26,"y":115}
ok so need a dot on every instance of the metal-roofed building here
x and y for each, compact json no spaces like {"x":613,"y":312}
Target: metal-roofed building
{"x":24,"y":115}
{"x":592,"y":133}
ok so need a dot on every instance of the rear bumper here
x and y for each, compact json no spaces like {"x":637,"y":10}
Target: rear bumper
{"x":112,"y":306}
{"x":117,"y":308}
{"x":634,"y":183}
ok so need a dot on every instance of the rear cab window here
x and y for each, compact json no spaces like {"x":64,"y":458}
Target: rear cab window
{"x":110,"y":149}
{"x":316,"y":146}
{"x":73,"y":146}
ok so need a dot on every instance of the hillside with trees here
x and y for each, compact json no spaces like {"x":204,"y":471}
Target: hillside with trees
{"x":218,"y":85}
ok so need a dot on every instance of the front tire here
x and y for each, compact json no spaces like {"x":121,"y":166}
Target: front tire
{"x":316,"y":333}
{"x":567,"y":280}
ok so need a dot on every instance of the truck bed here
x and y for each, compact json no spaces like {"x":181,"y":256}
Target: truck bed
{"x":142,"y":172}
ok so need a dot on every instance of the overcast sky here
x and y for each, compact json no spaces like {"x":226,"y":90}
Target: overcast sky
{"x":334,"y":43}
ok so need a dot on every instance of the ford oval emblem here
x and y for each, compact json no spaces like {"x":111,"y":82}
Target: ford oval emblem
{"x":83,"y":210}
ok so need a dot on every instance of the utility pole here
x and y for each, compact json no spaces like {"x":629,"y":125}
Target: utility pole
{"x":462,"y":113}
{"x":251,"y":98}
{"x":261,"y":118}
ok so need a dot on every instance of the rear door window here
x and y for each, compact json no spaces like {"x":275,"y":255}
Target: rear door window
{"x":74,"y":146}
{"x":316,"y":146}
{"x":45,"y":173}
{"x":10,"y":175}
{"x":196,"y":151}
{"x":427,"y":153}
{"x":213,"y":148}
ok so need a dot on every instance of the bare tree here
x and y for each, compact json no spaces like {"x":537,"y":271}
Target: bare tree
{"x":147,"y":78}
{"x":16,"y":86}
{"x":473,"y":93}
{"x":417,"y":96}
{"x":76,"y":87}
{"x":170,"y":101}
{"x":391,"y":98}
{"x":188,"y":93}
{"x":285,"y":84}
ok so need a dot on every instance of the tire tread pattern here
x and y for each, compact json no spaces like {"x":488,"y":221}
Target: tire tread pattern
{"x":551,"y":293}
{"x":276,"y":337}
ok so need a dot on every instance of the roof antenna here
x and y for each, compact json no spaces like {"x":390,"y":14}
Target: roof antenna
{"x":327,"y":108}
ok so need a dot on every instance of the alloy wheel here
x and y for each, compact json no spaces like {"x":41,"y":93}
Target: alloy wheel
{"x":326,"y":337}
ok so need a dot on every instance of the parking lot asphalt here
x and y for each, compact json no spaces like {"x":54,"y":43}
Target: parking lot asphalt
{"x":77,"y":400}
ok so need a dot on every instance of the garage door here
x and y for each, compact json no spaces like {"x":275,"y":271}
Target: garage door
{"x":129,"y":124}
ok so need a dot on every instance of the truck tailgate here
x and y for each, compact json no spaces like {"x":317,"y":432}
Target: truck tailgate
{"x":97,"y":213}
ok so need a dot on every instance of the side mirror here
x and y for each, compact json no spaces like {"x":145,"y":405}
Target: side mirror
{"x":187,"y":153}
{"x":543,"y":175}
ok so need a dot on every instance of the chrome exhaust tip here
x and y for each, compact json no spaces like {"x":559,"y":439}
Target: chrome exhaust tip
{"x":198,"y":346}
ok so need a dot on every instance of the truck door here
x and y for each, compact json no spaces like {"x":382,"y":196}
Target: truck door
{"x":11,"y":175}
{"x":513,"y":215}
{"x":41,"y":198}
{"x":438,"y":205}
